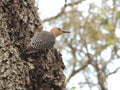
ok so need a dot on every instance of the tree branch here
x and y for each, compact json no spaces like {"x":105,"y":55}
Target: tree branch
{"x":63,"y":10}
{"x":116,"y":70}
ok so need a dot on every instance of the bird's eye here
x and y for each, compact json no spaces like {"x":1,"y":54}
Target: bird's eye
{"x":59,"y":29}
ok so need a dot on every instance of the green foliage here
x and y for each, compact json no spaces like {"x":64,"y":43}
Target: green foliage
{"x":73,"y":88}
{"x":118,"y":15}
{"x":110,"y":42}
{"x":109,"y":27}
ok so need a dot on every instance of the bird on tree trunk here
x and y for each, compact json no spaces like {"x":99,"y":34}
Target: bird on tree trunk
{"x":44,"y":40}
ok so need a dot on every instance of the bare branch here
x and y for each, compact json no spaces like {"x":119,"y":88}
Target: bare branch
{"x":63,"y":10}
{"x":78,"y":70}
{"x":116,"y":70}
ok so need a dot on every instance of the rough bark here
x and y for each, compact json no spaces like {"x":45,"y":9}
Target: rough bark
{"x":41,"y":71}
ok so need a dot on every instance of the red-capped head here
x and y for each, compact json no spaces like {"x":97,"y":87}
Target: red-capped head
{"x":58,"y":31}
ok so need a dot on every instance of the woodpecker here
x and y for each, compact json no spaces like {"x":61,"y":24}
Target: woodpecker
{"x":44,"y":39}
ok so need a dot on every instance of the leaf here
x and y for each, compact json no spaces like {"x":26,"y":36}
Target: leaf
{"x":73,"y":88}
{"x":110,"y":41}
{"x":109,"y":27}
{"x":118,"y":15}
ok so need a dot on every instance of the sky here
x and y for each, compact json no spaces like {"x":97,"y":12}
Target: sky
{"x":53,"y":7}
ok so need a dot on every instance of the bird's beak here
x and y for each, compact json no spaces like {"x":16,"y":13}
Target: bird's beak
{"x":64,"y":31}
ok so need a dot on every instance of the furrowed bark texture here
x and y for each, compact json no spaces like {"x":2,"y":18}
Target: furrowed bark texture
{"x":40,"y":71}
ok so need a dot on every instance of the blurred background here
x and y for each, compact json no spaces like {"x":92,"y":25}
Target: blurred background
{"x":91,"y":52}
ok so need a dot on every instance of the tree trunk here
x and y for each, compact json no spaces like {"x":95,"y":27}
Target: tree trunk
{"x":41,"y":71}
